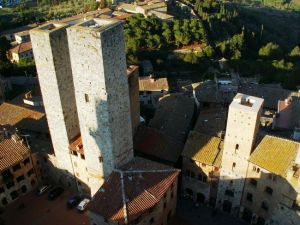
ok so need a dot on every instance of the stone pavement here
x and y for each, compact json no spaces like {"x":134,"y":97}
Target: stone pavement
{"x":41,"y":211}
{"x":203,"y":215}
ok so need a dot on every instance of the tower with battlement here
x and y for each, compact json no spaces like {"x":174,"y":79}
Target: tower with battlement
{"x":242,"y":127}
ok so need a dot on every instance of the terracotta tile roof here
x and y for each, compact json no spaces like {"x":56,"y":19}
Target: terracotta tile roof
{"x":153,"y":84}
{"x":19,"y":29}
{"x":204,"y":149}
{"x":130,"y":192}
{"x":76,"y":144}
{"x":23,"y":47}
{"x":212,"y":121}
{"x":12,"y":151}
{"x":23,"y":118}
{"x":270,"y":94}
{"x":174,"y":115}
{"x":275,"y":154}
{"x":151,"y":141}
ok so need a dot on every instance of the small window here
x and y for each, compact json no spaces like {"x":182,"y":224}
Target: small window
{"x":10,"y":184}
{"x":264,"y":205}
{"x":20,"y":178}
{"x":249,"y":197}
{"x":86,"y":97}
{"x":100,"y":159}
{"x":16,"y":167}
{"x":14,"y":195}
{"x":253,"y":182}
{"x":26,"y":161}
{"x":82,"y":156}
{"x":257,"y":170}
{"x":269,"y":190}
{"x":254,"y":168}
{"x":237,"y":147}
{"x":30,"y":172}
{"x":229,"y":193}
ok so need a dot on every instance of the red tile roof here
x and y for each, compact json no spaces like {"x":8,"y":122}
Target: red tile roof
{"x":130,"y":192}
{"x":12,"y":150}
{"x":76,"y":144}
{"x":23,"y":47}
{"x":153,"y":142}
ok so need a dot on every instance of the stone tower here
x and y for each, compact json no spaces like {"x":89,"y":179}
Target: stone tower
{"x":97,"y":52}
{"x":242,"y":127}
{"x":51,"y":54}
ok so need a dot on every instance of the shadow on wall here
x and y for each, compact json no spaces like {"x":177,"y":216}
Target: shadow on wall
{"x":263,"y":193}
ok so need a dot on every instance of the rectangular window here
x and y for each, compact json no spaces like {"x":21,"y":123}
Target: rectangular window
{"x":26,"y":161}
{"x":30,"y":172}
{"x":10,"y":184}
{"x":249,"y":197}
{"x":269,"y":190}
{"x":16,"y":167}
{"x":253,"y":182}
{"x":20,"y":178}
{"x":86,"y":97}
{"x":100,"y":159}
{"x":229,"y":193}
{"x":82,"y":156}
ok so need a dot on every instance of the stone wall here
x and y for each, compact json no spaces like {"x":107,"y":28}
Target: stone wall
{"x":242,"y":127}
{"x":101,"y":88}
{"x":51,"y":53}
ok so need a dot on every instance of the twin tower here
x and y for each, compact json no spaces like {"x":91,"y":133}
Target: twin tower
{"x":83,"y":78}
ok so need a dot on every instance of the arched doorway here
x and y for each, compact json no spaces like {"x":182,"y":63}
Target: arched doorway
{"x":227,"y":205}
{"x":200,"y":198}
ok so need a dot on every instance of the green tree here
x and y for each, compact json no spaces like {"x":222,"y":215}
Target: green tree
{"x":4,"y":46}
{"x":270,"y":51}
{"x":208,"y":51}
{"x":295,"y":52}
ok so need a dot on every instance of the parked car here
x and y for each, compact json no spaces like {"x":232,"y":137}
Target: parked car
{"x":83,"y":204}
{"x":43,"y":189}
{"x":55,"y":192}
{"x":73,"y":201}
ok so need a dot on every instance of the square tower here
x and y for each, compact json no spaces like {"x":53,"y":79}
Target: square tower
{"x":242,"y":127}
{"x":51,"y":54}
{"x":97,"y":52}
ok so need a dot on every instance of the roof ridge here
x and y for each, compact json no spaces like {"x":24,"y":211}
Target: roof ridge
{"x":151,"y":194}
{"x":123,"y":196}
{"x":281,"y":138}
{"x":151,"y":171}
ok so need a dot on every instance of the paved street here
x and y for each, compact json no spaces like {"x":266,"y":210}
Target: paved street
{"x":203,"y":215}
{"x":41,"y":211}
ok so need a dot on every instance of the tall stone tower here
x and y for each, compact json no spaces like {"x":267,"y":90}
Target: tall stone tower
{"x":97,"y":53}
{"x":242,"y":127}
{"x":51,"y":54}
